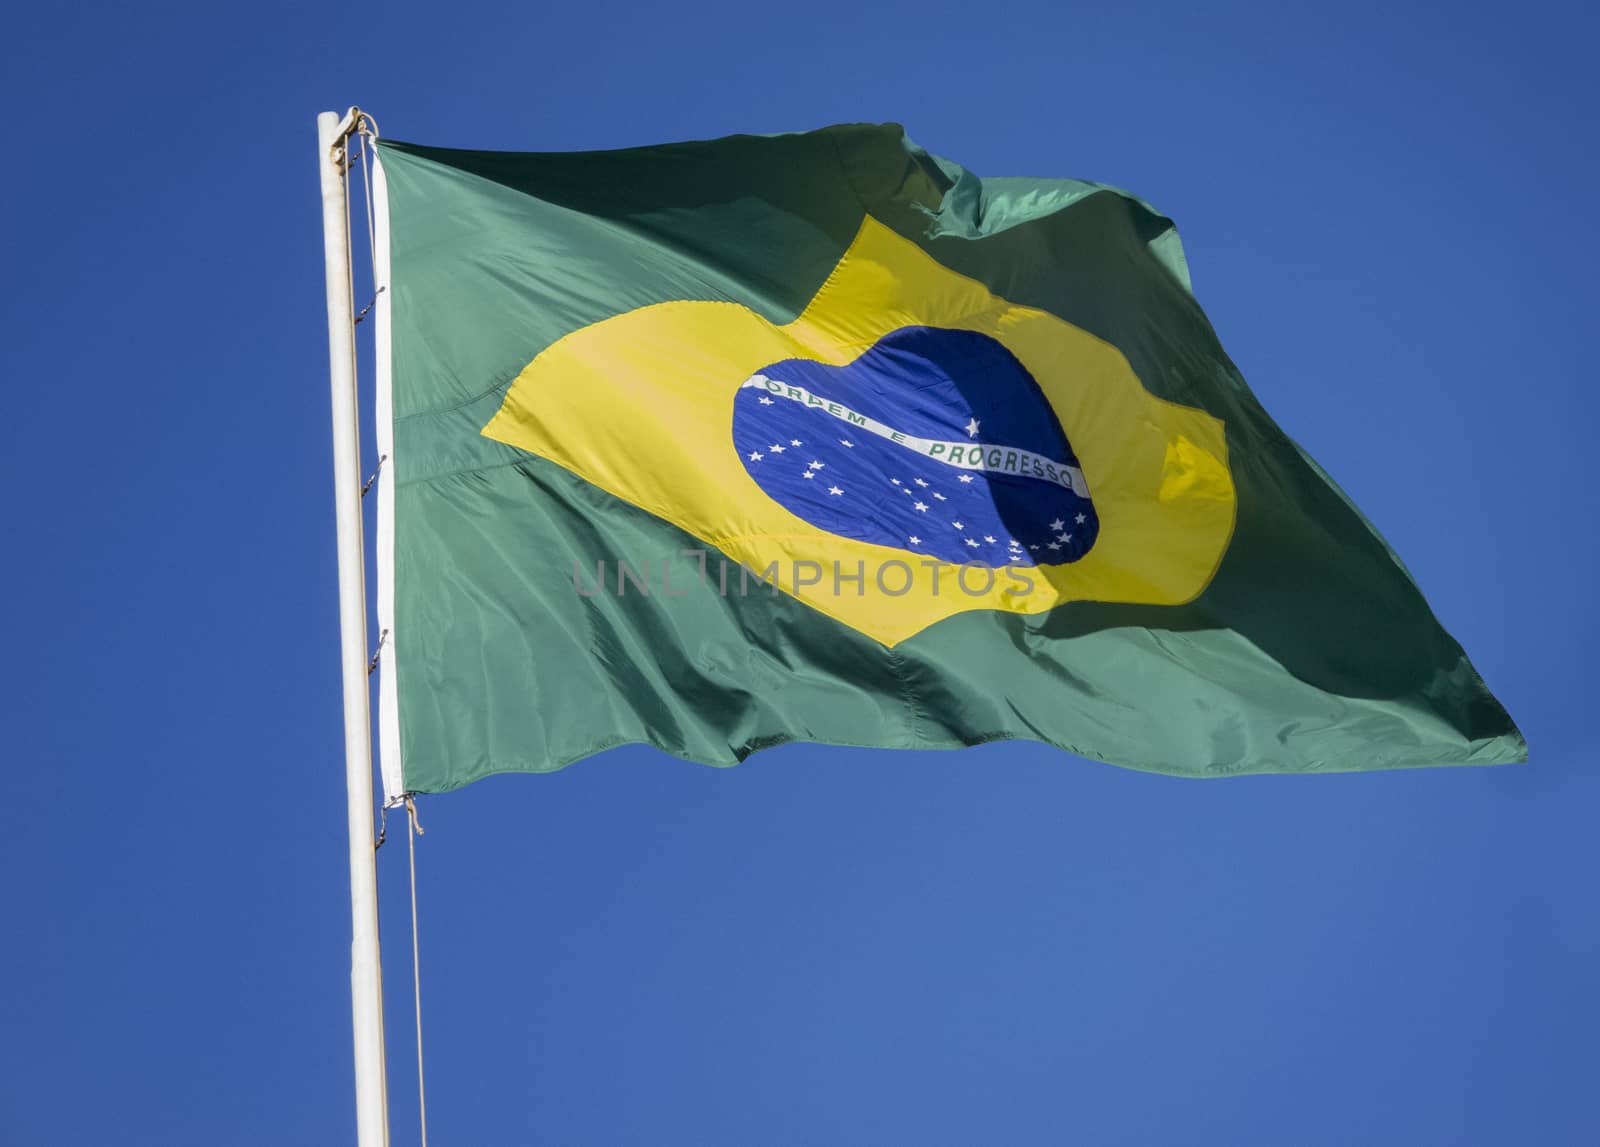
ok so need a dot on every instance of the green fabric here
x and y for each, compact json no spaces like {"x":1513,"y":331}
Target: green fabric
{"x":1310,"y":650}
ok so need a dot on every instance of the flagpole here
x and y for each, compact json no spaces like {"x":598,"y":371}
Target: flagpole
{"x":366,"y":969}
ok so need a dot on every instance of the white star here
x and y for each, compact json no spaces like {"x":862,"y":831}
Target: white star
{"x":940,"y":496}
{"x":796,"y":442}
{"x":765,"y":401}
{"x":815,"y":466}
{"x":1054,"y":545}
{"x":894,"y":481}
{"x":920,"y":482}
{"x":775,"y":448}
{"x":1080,"y":519}
{"x":1033,"y":547}
{"x":923,"y":506}
{"x":989,"y":538}
{"x":1058,"y":524}
{"x":1064,"y":539}
{"x":835,"y":490}
{"x":914,"y":540}
{"x":964,"y":478}
{"x":755,"y":455}
{"x":972,"y":543}
{"x":972,"y":428}
{"x":847,"y":444}
{"x":906,"y":490}
{"x":958,"y":525}
{"x":808,"y":473}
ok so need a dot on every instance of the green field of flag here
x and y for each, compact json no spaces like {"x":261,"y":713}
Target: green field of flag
{"x":820,"y":437}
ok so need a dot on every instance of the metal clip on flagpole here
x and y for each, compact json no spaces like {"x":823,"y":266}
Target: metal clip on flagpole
{"x":366,"y":970}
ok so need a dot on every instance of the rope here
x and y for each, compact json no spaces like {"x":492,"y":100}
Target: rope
{"x":344,"y":175}
{"x":416,"y":964}
{"x":366,"y":188}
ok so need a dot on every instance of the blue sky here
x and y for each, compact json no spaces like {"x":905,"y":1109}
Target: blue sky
{"x":1387,"y":216}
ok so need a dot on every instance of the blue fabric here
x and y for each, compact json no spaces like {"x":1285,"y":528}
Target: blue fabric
{"x":947,"y":385}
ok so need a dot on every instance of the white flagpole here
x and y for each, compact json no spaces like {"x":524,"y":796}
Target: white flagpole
{"x":366,"y":969}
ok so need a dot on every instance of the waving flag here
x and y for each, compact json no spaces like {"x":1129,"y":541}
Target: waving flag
{"x":819,"y":437}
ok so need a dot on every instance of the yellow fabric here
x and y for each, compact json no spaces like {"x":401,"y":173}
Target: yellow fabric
{"x":641,"y":406}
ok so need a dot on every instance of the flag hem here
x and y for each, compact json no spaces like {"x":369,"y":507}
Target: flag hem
{"x":389,"y":758}
{"x":1505,"y":750}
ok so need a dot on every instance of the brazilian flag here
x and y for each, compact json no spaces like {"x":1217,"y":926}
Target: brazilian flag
{"x":820,"y":437}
